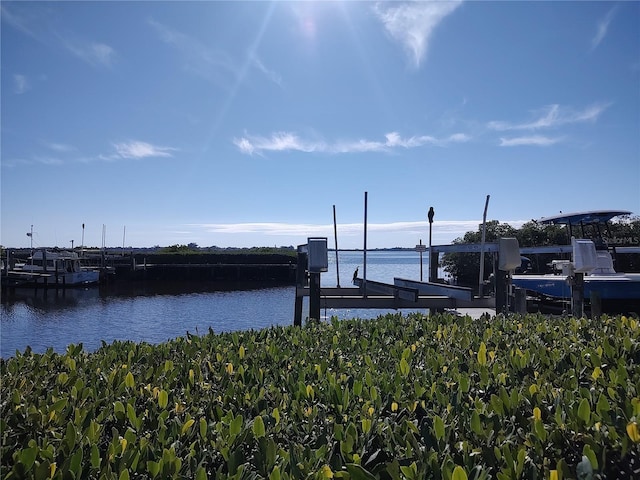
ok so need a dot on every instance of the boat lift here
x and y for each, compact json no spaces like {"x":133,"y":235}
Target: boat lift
{"x":404,"y":293}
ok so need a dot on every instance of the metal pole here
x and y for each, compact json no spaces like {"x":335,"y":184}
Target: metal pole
{"x":430,"y":216}
{"x":82,"y":246}
{"x":300,"y":282}
{"x":364,"y":257}
{"x":484,"y":231}
{"x":420,"y":261}
{"x":335,"y":235}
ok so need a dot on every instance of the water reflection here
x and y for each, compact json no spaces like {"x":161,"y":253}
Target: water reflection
{"x":55,"y":319}
{"x":156,"y":312}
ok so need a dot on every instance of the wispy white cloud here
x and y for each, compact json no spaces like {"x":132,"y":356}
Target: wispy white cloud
{"x":602,"y":28}
{"x":345,"y":229}
{"x":66,"y":154}
{"x":56,"y":154}
{"x":93,"y":53}
{"x":212,"y":63}
{"x":288,"y":141}
{"x":137,"y":149}
{"x":21,"y":84}
{"x":207,"y":62}
{"x":101,"y":54}
{"x":535,"y":140}
{"x":60,"y":147}
{"x":17,"y":21}
{"x":34,"y":23}
{"x":47,"y":160}
{"x":350,"y":233}
{"x":265,"y":228}
{"x":279,"y":141}
{"x":270,"y":74}
{"x":412,"y":24}
{"x":554,"y":116}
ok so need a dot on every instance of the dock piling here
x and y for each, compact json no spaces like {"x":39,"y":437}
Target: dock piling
{"x":300,"y":284}
{"x":314,"y":296}
{"x":577,"y":295}
{"x":596,"y":304}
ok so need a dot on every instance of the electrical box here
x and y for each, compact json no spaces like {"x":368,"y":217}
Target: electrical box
{"x":318,"y":254}
{"x":584,"y":255}
{"x":509,"y":254}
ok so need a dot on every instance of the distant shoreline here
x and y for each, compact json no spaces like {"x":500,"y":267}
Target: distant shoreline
{"x":222,"y":250}
{"x":393,"y":249}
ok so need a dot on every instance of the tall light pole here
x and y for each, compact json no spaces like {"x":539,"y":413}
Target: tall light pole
{"x":71,"y":244}
{"x":30,"y":235}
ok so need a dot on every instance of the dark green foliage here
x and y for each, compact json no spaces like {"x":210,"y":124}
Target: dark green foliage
{"x":399,"y":397}
{"x":190,"y":249}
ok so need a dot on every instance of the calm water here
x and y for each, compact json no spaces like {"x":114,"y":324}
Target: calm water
{"x":90,"y":316}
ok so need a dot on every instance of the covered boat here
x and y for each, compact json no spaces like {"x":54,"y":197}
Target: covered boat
{"x":594,"y":258}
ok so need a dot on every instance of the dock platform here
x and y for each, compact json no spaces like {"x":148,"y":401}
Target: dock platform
{"x":385,"y":296}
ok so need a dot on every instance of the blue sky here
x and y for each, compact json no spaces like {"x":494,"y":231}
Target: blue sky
{"x":243,"y":123}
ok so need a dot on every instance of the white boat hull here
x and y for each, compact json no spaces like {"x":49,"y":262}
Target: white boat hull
{"x":17,"y":278}
{"x":617,"y":293}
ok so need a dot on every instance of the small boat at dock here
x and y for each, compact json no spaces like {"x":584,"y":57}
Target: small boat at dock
{"x":48,"y":268}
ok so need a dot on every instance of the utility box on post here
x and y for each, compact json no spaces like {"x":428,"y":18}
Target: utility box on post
{"x":508,"y":254}
{"x":508,"y":261}
{"x":584,"y":255}
{"x":318,"y":254}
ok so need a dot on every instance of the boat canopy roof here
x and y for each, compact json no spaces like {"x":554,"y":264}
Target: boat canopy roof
{"x":55,"y":255}
{"x":583,"y":218}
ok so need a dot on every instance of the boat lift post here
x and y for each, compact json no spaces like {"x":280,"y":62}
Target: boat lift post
{"x":301,"y":280}
{"x":430,"y":215}
{"x":335,"y":236}
{"x":318,"y":262}
{"x":364,"y":253}
{"x":577,"y":294}
{"x":484,"y":231}
{"x":421,"y":248}
{"x":584,"y":260}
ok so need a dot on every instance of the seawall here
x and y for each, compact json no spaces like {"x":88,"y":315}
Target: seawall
{"x":266,"y":269}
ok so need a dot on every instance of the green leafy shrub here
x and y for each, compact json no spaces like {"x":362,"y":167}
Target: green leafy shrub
{"x":399,"y":397}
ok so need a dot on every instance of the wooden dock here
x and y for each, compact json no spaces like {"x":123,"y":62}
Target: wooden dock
{"x":345,"y":297}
